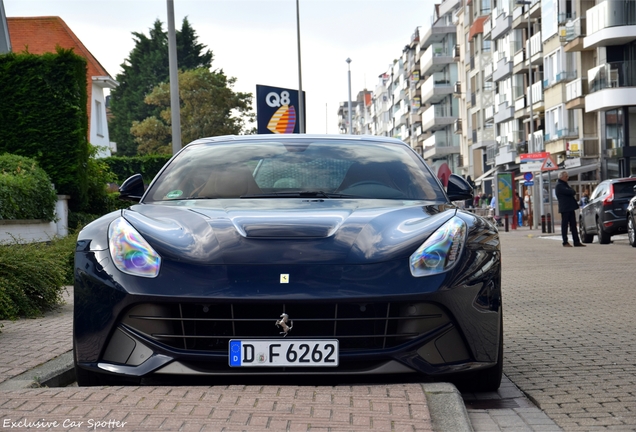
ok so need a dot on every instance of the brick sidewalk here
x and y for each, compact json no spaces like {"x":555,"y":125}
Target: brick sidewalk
{"x":398,"y":407}
{"x":27,"y":343}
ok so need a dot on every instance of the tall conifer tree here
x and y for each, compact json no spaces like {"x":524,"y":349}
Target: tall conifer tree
{"x":146,"y":67}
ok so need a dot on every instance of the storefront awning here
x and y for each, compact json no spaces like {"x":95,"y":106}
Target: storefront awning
{"x":571,"y":171}
{"x":484,"y":176}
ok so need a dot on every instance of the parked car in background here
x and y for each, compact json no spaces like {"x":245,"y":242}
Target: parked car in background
{"x":605,"y":215}
{"x":631,"y":220}
{"x":290,"y":255}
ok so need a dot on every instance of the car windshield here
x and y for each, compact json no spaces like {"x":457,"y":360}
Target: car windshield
{"x":300,"y":168}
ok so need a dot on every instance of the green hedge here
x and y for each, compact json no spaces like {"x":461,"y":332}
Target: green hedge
{"x":43,"y":113}
{"x":125,"y":166}
{"x":25,"y":189}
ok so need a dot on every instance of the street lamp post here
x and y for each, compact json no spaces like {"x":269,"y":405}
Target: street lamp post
{"x":531,"y":146}
{"x":349,"y":111}
{"x":174,"y":80}
{"x":301,"y":99}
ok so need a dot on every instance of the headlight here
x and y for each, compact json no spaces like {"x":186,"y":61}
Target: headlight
{"x":130,"y":252}
{"x":440,"y":251}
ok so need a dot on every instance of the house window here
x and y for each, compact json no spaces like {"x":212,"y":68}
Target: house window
{"x":99,"y":124}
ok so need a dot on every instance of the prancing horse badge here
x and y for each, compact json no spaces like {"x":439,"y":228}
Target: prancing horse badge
{"x":284,"y":278}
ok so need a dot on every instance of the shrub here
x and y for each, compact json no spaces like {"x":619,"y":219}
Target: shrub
{"x":25,"y":189}
{"x":33,"y":276}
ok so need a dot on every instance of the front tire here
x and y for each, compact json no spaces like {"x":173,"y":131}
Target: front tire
{"x":585,"y":237}
{"x":631,"y":231}
{"x":484,"y":380}
{"x":603,"y":237}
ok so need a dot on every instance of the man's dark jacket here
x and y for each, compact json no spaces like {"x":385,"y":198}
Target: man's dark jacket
{"x":565,"y":196}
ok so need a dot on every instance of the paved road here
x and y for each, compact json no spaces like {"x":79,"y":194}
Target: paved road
{"x":570,"y":340}
{"x":570,"y":329}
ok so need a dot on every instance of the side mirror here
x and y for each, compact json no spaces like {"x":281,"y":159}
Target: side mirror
{"x":458,"y":188}
{"x":132,"y":189}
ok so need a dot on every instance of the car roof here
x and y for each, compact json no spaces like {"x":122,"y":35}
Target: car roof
{"x":295,"y":137}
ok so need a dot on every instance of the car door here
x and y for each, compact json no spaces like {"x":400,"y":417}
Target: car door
{"x":590,"y":211}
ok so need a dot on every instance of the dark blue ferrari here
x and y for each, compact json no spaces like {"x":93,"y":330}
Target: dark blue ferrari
{"x":290,"y":254}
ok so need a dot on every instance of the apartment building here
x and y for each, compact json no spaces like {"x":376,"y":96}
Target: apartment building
{"x":474,"y":92}
{"x":439,"y":109}
{"x":609,"y":45}
{"x":491,"y":80}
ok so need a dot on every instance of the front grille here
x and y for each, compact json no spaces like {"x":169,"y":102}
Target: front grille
{"x":357,"y":326}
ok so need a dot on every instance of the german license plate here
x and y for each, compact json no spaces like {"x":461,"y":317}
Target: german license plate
{"x":281,"y":352}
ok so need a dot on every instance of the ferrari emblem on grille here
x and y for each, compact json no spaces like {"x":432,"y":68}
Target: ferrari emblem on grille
{"x":284,"y":278}
{"x":282,"y":322}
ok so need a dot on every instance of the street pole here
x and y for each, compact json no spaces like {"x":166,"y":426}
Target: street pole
{"x":531,"y":147}
{"x":349,"y":113}
{"x":174,"y":81}
{"x":301,"y":99}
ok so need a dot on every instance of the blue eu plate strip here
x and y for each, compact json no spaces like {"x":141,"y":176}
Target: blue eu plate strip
{"x":235,"y":353}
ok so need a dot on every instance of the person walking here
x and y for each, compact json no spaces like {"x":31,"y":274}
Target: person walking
{"x":567,"y":207}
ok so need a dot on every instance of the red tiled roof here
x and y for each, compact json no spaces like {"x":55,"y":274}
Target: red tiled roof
{"x":39,"y":35}
{"x":43,"y":34}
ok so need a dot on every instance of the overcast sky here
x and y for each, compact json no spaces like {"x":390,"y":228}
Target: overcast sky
{"x":255,"y":40}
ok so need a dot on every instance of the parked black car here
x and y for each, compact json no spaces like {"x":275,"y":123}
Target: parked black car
{"x":290,"y":255}
{"x":631,"y":220}
{"x":605,"y":215}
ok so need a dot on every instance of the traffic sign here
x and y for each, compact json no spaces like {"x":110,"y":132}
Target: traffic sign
{"x":537,"y":156}
{"x":528,"y":176}
{"x":528,"y":183}
{"x":530,"y":166}
{"x":549,"y":164}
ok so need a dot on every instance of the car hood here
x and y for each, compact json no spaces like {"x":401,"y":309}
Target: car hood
{"x":277,"y":231}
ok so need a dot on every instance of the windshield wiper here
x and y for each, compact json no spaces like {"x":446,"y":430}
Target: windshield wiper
{"x":298,"y":194}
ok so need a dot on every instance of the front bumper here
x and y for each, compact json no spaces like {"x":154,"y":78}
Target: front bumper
{"x":386,"y":321}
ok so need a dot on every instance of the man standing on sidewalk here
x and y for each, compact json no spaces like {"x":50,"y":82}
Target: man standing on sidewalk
{"x":567,"y":207}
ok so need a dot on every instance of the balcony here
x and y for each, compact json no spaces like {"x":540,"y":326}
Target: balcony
{"x":575,"y":33}
{"x":536,"y":143}
{"x":437,"y":117}
{"x":536,"y":92}
{"x":504,"y":113}
{"x":502,"y":24}
{"x":505,"y":154}
{"x":488,"y":71}
{"x":520,"y":55}
{"x":611,"y":85}
{"x":536,"y":49}
{"x":503,"y":71}
{"x":489,"y":112}
{"x":575,"y":92}
{"x":457,"y":89}
{"x":435,"y":89}
{"x":447,"y":6}
{"x":437,"y":32}
{"x":612,"y":22}
{"x":520,"y":105}
{"x":441,"y":144}
{"x":457,"y":126}
{"x":435,"y":59}
{"x":485,"y":137}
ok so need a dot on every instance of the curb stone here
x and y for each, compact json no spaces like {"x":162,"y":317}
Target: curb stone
{"x":447,"y":409}
{"x":58,"y":372}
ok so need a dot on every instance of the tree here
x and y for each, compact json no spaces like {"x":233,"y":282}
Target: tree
{"x":146,"y":67}
{"x":209,"y":107}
